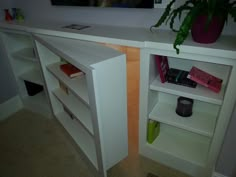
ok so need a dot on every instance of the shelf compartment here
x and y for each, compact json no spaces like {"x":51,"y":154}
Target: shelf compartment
{"x":80,"y":136}
{"x":199,"y":93}
{"x":26,"y":54}
{"x":76,"y":108}
{"x":184,"y":146}
{"x":38,"y":103}
{"x":77,"y":85}
{"x":200,"y":122}
{"x":34,"y":76}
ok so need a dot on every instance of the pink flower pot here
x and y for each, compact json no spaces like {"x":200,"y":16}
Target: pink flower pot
{"x":201,"y":34}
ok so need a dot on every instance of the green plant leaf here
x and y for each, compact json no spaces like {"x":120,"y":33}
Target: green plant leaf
{"x":186,"y":26}
{"x":164,"y":15}
{"x":175,"y":13}
{"x":232,"y":12}
{"x":211,"y":6}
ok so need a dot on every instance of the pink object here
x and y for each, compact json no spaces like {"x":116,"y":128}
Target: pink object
{"x":162,"y":66}
{"x":205,"y":79}
{"x":201,"y":34}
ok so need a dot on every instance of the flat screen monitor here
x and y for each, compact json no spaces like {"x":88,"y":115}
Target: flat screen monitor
{"x":106,"y":3}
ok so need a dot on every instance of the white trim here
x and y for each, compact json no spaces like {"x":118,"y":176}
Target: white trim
{"x":9,"y":107}
{"x":216,"y":174}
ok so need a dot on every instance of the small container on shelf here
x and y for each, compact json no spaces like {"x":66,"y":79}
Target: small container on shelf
{"x":184,"y":107}
{"x":153,"y":130}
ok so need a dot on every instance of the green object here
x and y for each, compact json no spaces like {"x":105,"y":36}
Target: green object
{"x":193,"y":9}
{"x":153,"y":130}
{"x":19,"y":15}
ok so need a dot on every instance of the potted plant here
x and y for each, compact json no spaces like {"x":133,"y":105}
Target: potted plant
{"x":201,"y":17}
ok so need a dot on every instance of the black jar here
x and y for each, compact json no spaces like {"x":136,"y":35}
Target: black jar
{"x":184,"y":106}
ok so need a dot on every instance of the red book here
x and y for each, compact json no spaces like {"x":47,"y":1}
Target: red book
{"x":162,"y":66}
{"x":70,"y":70}
{"x":205,"y":79}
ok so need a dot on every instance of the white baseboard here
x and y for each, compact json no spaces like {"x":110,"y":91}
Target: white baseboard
{"x":215,"y":174}
{"x":9,"y":107}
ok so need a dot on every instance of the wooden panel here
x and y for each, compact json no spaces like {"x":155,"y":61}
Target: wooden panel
{"x":117,"y":47}
{"x":133,"y":72}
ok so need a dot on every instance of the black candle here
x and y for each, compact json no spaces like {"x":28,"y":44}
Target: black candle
{"x":184,"y":107}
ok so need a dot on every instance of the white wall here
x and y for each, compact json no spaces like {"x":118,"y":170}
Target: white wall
{"x":43,"y":10}
{"x":4,"y":4}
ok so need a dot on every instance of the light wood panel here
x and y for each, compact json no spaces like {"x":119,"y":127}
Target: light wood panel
{"x":133,"y":71}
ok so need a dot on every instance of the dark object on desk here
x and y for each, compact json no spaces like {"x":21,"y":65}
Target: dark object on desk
{"x":177,"y":76}
{"x":184,"y":107}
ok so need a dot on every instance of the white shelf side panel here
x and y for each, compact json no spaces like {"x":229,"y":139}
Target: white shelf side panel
{"x":77,"y":85}
{"x":80,"y":136}
{"x":199,"y":93}
{"x":200,"y":122}
{"x":109,"y":84}
{"x":26,"y":54}
{"x":77,"y":108}
{"x":34,"y":76}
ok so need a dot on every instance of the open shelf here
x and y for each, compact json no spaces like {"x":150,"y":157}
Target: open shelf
{"x":80,"y":136}
{"x":77,"y":108}
{"x":37,"y":103}
{"x":34,"y":76}
{"x":199,"y":122}
{"x":26,"y":54}
{"x":184,"y":146}
{"x":77,"y":85}
{"x":199,"y":93}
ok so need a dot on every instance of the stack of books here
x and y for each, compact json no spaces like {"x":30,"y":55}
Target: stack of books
{"x":172,"y":75}
{"x":186,"y":78}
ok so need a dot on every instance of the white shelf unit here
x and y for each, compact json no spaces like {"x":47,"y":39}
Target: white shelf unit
{"x":27,"y":53}
{"x":187,"y":144}
{"x":77,"y":85}
{"x":21,"y":52}
{"x":92,"y":108}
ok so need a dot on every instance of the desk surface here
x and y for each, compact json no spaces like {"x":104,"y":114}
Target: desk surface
{"x":129,"y":36}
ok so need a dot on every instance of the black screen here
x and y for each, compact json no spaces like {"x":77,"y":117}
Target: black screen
{"x":106,"y":3}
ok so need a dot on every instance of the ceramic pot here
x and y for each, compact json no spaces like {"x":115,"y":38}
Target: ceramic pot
{"x":201,"y":34}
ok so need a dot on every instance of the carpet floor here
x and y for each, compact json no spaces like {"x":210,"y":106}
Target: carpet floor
{"x":34,"y":146}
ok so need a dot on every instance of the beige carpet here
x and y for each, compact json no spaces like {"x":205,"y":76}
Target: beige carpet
{"x":34,"y":146}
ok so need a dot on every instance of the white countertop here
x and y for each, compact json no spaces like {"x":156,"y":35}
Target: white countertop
{"x":129,"y":36}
